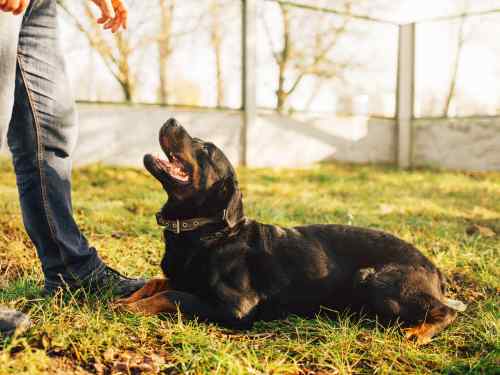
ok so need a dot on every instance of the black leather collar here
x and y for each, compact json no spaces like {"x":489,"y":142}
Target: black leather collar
{"x":186,"y":225}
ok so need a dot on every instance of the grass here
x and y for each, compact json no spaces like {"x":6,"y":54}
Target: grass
{"x":115,"y":208}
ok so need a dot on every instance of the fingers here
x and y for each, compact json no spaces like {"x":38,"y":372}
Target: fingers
{"x":15,"y":6}
{"x":122,"y":13}
{"x":121,"y":18}
{"x":107,"y":11}
{"x":9,"y":5}
{"x":114,"y":14}
{"x":23,"y":4}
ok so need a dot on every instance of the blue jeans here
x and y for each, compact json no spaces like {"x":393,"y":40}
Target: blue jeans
{"x":37,"y":106}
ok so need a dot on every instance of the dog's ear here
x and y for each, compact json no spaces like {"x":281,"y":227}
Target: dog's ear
{"x":234,"y":210}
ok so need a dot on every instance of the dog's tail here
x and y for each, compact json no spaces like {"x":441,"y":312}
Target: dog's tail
{"x":451,"y":303}
{"x":441,"y":313}
{"x":454,"y":304}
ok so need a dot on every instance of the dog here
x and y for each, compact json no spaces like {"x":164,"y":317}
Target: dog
{"x":223,"y":267}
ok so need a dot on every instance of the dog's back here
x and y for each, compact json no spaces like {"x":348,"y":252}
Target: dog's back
{"x":297,"y":270}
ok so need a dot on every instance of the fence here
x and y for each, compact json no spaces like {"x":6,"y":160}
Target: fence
{"x":459,"y":97}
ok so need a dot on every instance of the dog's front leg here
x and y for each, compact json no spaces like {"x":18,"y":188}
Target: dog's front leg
{"x":151,"y":288}
{"x":171,"y":301}
{"x":155,"y":304}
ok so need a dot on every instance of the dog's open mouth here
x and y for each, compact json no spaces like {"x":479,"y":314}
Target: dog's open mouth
{"x":173,"y":166}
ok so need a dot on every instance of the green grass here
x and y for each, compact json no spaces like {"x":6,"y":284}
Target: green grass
{"x":115,"y":207}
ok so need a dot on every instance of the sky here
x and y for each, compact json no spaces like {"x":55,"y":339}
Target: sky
{"x":404,"y":11}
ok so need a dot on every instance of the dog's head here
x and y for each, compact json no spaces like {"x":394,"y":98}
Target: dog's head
{"x":197,"y":176}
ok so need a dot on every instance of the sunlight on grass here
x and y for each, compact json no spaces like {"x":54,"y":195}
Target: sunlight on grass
{"x":116,"y":207}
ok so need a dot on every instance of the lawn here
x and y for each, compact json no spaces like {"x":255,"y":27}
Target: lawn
{"x":451,"y":217}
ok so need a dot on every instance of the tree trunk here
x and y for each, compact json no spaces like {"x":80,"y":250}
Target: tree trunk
{"x":216,"y":39}
{"x":126,"y":78}
{"x":284,"y":56}
{"x":127,"y":91}
{"x":165,"y":47}
{"x":456,"y":66}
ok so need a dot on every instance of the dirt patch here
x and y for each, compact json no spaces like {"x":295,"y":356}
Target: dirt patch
{"x":128,"y":362}
{"x":60,"y":366}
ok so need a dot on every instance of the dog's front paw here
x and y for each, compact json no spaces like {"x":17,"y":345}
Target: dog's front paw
{"x":138,"y":307}
{"x":119,"y":304}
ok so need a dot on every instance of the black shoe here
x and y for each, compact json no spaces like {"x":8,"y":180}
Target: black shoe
{"x":12,"y":322}
{"x":109,"y":282}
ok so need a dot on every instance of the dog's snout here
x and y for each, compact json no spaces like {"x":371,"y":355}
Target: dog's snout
{"x":172,"y":123}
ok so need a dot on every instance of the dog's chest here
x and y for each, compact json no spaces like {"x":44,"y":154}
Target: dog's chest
{"x":186,"y":268}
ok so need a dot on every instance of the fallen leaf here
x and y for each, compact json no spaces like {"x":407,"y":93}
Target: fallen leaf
{"x":128,"y":362}
{"x":386,"y":209}
{"x":481,"y":230}
{"x":99,"y":368}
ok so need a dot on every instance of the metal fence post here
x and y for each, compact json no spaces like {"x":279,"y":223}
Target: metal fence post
{"x":405,"y":94}
{"x":249,"y":74}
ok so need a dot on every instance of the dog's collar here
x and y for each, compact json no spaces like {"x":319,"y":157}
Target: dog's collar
{"x":186,"y":225}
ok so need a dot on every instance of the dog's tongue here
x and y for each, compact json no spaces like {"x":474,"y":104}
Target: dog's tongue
{"x":174,"y":169}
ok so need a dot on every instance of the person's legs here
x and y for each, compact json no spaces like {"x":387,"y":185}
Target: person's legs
{"x":41,"y":137}
{"x":42,"y":134}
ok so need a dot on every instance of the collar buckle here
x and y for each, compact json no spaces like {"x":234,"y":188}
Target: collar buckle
{"x":159,"y":219}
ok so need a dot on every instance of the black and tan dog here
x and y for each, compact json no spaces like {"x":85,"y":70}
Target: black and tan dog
{"x":223,"y":267}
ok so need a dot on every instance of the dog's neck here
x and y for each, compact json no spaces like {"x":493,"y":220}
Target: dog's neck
{"x":213,"y":215}
{"x":206,"y":206}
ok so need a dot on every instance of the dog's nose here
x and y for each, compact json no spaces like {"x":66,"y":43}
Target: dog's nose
{"x":172,"y":123}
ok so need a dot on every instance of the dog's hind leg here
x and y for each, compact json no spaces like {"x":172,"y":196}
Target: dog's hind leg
{"x":413,"y":295}
{"x":438,"y":319}
{"x":151,"y":288}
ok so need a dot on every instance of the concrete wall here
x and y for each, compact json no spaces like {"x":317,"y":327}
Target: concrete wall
{"x":465,"y":144}
{"x":121,"y":135}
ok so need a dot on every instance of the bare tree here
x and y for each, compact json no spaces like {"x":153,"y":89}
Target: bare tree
{"x":117,"y":51}
{"x":216,"y":40}
{"x":165,"y":46}
{"x":462,"y":38}
{"x":306,"y":53}
{"x":168,"y":34}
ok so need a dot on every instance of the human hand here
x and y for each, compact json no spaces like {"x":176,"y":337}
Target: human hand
{"x":114,"y":14}
{"x":15,"y":6}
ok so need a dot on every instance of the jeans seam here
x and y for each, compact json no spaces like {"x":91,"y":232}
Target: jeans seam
{"x":39,"y":155}
{"x":28,"y":12}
